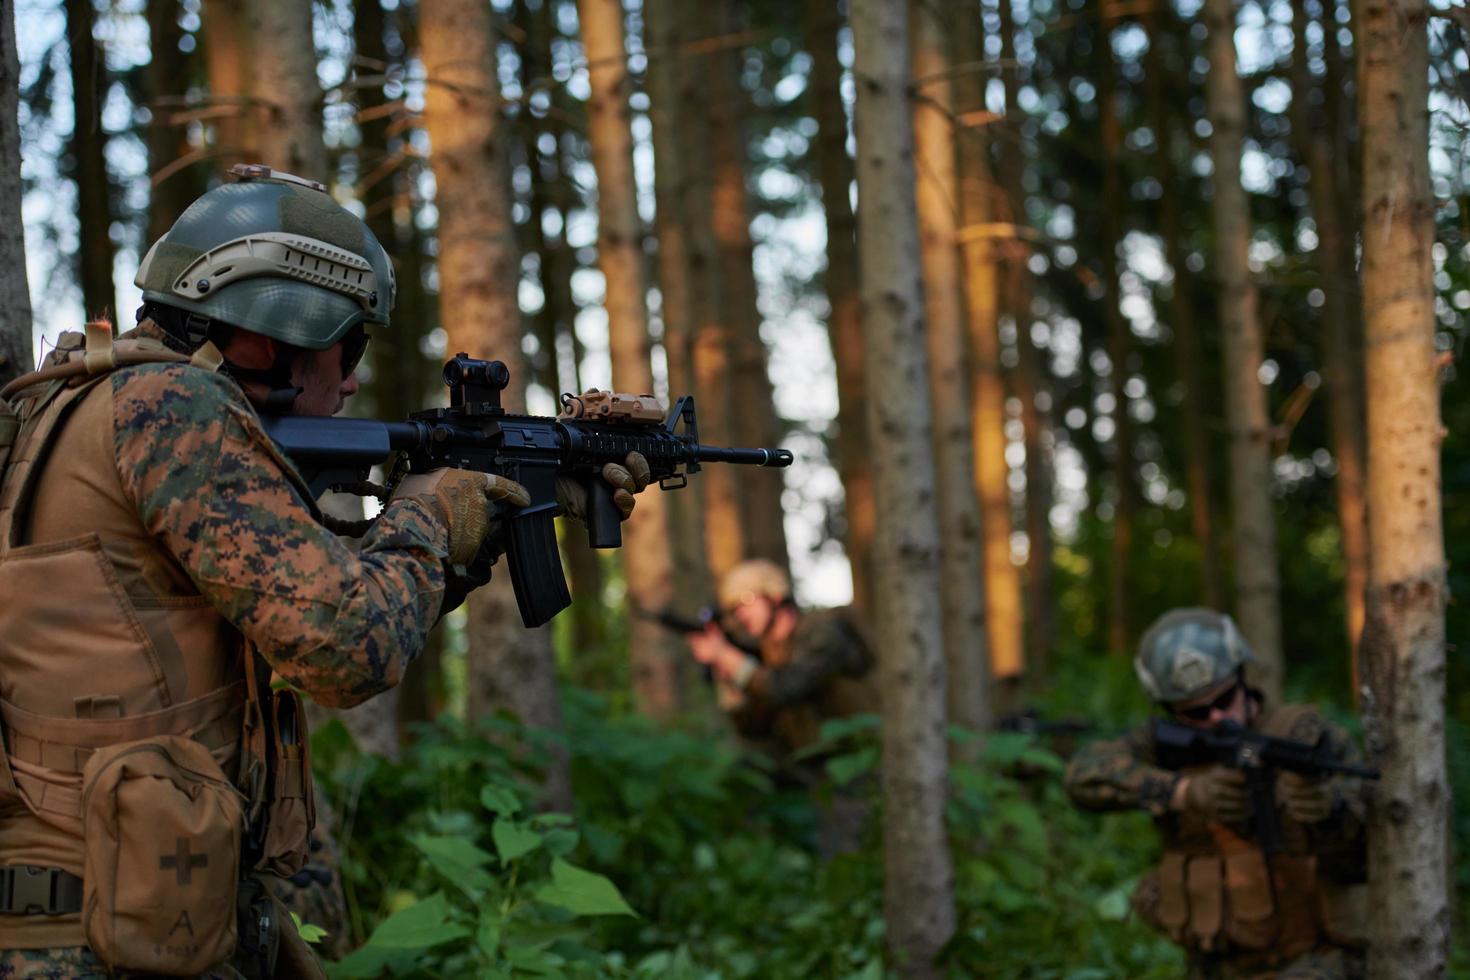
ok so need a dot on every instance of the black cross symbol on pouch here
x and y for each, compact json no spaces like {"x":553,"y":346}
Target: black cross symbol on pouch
{"x":182,"y":863}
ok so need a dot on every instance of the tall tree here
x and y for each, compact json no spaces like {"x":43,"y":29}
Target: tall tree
{"x":1404,"y":643}
{"x":1253,"y":515}
{"x":656,"y":654}
{"x":726,"y":536}
{"x":1030,"y":375}
{"x":15,"y":298}
{"x":1120,"y":345}
{"x":980,"y":200}
{"x":229,"y":62}
{"x":509,"y":667}
{"x":962,"y":602}
{"x":87,"y":149}
{"x":753,"y":409}
{"x":1341,"y":323}
{"x":285,"y":87}
{"x":166,"y":81}
{"x":676,"y":275}
{"x":919,"y":876}
{"x":844,"y":318}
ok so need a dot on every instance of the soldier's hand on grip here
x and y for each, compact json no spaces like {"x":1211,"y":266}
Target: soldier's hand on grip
{"x":463,"y":498}
{"x":626,"y":480}
{"x":1218,"y":794}
{"x":1306,"y":800}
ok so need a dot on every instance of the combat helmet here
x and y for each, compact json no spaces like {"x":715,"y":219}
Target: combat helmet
{"x":273,"y":254}
{"x":1188,"y":651}
{"x":753,"y":579}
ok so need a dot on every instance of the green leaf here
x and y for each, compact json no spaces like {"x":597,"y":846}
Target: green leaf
{"x":420,"y":926}
{"x":513,"y":840}
{"x":458,"y":860}
{"x":500,"y":800}
{"x":582,"y":892}
{"x":1112,"y":907}
{"x":845,"y":768}
{"x":487,"y":937}
{"x":307,"y":931}
{"x":560,"y":842}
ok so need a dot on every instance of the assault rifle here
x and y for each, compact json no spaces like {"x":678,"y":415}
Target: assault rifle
{"x":1257,"y":755}
{"x":476,"y":433}
{"x":678,"y":622}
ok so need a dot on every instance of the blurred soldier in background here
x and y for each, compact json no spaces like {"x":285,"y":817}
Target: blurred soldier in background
{"x":812,"y":666}
{"x":1238,"y":909}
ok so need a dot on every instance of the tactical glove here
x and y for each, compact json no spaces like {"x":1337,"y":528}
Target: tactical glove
{"x":1306,"y":800}
{"x":626,"y":480}
{"x":1218,"y":794}
{"x":462,"y":498}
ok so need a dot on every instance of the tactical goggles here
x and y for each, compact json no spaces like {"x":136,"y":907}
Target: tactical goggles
{"x":354,"y":345}
{"x":1202,"y":712}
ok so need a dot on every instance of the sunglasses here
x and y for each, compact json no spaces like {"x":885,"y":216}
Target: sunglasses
{"x":1202,"y":712}
{"x":354,"y":345}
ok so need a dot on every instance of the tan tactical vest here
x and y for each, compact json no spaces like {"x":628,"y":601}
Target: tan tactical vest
{"x":103,"y":638}
{"x":1214,"y":892}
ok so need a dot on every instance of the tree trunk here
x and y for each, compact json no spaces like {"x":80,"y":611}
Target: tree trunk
{"x":167,"y":77}
{"x":87,"y":150}
{"x":979,"y":197}
{"x":724,"y":523}
{"x":919,"y":876}
{"x":1404,"y":643}
{"x":1337,"y":337}
{"x":285,"y":87}
{"x":844,"y":318}
{"x":1253,"y":514}
{"x":509,"y":667}
{"x":15,"y":297}
{"x":962,"y":602}
{"x":666,"y":66}
{"x":1120,"y":343}
{"x":228,"y":60}
{"x":655,"y":653}
{"x":753,"y":409}
{"x":1030,"y":382}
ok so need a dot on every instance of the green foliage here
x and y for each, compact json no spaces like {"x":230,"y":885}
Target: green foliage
{"x":686,"y":859}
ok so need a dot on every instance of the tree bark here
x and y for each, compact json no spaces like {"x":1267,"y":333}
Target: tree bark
{"x":16,"y":357}
{"x":980,"y":199}
{"x":655,"y":653}
{"x":510,"y":667}
{"x":1030,"y":379}
{"x":1120,"y":343}
{"x":676,"y":276}
{"x":919,"y":876}
{"x":844,"y":318}
{"x":1404,"y":643}
{"x":962,"y":602}
{"x":89,"y":165}
{"x":1340,"y":326}
{"x":229,"y":62}
{"x":1253,"y":514}
{"x":753,"y":408}
{"x":167,"y":76}
{"x":285,"y":86}
{"x":726,"y":534}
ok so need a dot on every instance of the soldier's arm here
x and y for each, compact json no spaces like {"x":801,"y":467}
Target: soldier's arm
{"x":339,"y":622}
{"x":1119,"y":774}
{"x":830,"y":648}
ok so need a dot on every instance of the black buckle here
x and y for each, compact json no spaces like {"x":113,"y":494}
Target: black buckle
{"x":30,"y":890}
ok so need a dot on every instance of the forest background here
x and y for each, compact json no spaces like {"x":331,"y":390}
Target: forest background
{"x":657,"y":196}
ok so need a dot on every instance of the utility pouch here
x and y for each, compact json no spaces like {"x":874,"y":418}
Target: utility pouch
{"x":9,"y":429}
{"x":1345,"y":913}
{"x":276,"y":771}
{"x":1173,"y":900}
{"x":1252,"y":921}
{"x":1203,"y":880}
{"x":162,"y":827}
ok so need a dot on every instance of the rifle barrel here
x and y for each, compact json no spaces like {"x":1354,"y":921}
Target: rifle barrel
{"x":746,"y":457}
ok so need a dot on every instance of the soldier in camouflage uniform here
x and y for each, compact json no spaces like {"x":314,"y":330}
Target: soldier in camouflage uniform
{"x":1239,"y":913}
{"x":170,"y":561}
{"x":813,"y":666}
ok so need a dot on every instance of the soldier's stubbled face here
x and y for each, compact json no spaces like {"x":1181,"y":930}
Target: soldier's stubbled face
{"x":318,"y":373}
{"x":1220,"y":703}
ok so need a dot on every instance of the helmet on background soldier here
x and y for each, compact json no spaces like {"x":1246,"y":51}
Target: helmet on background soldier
{"x":273,"y":254}
{"x":757,"y":578}
{"x":1186,"y":652}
